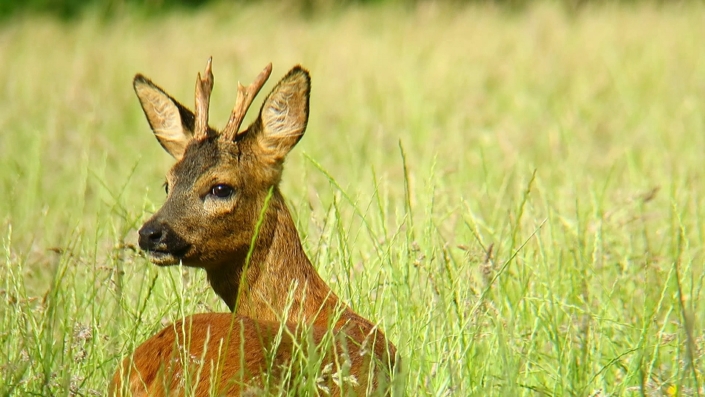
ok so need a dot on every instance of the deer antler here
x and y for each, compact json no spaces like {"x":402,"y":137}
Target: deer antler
{"x":204,"y":86}
{"x":245,"y":95}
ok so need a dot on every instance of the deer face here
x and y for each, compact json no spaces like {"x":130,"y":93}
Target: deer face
{"x":218,"y":186}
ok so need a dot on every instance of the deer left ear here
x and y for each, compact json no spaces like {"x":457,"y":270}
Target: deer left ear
{"x":171,"y":122}
{"x":284,"y":115}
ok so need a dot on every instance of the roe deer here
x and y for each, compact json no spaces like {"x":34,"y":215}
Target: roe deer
{"x":224,"y":213}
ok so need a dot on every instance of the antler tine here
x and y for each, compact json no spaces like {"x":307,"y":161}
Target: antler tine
{"x":204,"y":86}
{"x":245,"y":95}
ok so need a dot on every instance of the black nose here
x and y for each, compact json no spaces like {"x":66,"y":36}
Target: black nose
{"x":151,"y":236}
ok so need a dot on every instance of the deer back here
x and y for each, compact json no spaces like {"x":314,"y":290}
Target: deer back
{"x":223,"y":354}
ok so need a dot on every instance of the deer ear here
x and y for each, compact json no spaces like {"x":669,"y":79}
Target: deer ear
{"x":171,"y":122}
{"x":284,"y":114}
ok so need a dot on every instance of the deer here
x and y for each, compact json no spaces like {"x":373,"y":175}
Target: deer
{"x":224,"y":213}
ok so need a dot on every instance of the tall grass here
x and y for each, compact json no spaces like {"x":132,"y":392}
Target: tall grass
{"x":517,"y":199}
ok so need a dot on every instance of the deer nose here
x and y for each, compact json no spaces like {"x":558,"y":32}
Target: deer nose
{"x":151,"y":236}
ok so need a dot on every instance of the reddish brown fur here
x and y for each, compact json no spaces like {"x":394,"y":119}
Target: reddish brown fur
{"x":200,"y":229}
{"x":157,"y":366}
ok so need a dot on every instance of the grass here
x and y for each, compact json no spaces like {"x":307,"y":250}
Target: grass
{"x":516,"y":198}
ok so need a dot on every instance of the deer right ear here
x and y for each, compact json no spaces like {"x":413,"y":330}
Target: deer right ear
{"x":171,"y":122}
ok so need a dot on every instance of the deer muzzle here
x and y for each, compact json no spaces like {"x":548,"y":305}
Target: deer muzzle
{"x":163,"y":246}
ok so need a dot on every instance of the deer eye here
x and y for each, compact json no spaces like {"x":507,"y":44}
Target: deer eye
{"x":166,"y":188}
{"x":222,"y":191}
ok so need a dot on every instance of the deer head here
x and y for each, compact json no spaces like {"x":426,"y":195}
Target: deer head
{"x":219,"y":184}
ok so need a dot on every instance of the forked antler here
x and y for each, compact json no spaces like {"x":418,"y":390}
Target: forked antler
{"x":204,"y":86}
{"x":245,"y":95}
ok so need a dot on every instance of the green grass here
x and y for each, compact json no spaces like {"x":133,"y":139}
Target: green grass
{"x":517,"y":198}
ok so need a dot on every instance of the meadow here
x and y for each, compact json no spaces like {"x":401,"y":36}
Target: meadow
{"x":516,"y":198}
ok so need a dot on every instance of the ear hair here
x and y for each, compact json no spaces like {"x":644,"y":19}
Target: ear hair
{"x":171,"y":122}
{"x":284,"y":115}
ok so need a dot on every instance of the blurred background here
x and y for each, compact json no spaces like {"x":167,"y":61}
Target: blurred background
{"x":74,"y":8}
{"x":513,"y":190}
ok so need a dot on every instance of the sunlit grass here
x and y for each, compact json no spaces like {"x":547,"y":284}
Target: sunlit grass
{"x":516,"y":198}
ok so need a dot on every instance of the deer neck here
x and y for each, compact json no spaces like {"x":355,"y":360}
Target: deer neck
{"x":278,"y":282}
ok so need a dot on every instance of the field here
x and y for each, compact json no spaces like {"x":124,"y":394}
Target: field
{"x":517,"y":198}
